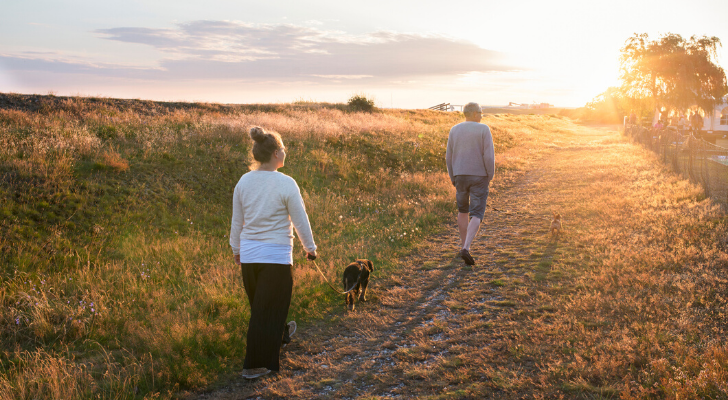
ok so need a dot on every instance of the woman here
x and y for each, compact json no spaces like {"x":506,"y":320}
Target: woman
{"x":266,"y":206}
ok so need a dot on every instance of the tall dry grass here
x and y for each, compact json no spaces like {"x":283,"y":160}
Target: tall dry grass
{"x":117,"y":279}
{"x":650,"y":302}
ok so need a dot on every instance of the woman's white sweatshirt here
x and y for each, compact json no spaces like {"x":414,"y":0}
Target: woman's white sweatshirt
{"x":267,"y":205}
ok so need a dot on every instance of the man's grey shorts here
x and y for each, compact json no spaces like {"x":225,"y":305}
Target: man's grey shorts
{"x":472,"y":194}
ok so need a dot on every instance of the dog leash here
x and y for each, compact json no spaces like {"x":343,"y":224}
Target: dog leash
{"x":327,"y":281}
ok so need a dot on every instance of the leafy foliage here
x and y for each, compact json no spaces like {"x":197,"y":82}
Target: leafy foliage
{"x":674,"y":72}
{"x":360,"y":102}
{"x":611,"y":106}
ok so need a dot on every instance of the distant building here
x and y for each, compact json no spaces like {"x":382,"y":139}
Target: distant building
{"x":526,"y":106}
{"x":718,"y":119}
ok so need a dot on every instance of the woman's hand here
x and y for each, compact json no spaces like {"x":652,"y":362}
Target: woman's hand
{"x":312,"y":256}
{"x":237,"y":259}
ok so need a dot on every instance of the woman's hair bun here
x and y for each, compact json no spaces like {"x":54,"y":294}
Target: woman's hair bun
{"x":258,"y":134}
{"x":266,"y":143}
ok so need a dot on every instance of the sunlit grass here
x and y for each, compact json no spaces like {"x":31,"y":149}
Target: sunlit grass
{"x":116,"y":270}
{"x":117,"y":279}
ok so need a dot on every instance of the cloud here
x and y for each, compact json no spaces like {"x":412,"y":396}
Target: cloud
{"x":48,"y":61}
{"x":225,"y":50}
{"x":344,"y":76}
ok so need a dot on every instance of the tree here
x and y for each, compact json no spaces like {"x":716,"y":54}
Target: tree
{"x":360,"y":102}
{"x":674,"y":72}
{"x":612,"y":105}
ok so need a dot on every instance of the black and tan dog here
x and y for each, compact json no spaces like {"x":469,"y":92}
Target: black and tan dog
{"x":356,"y":276}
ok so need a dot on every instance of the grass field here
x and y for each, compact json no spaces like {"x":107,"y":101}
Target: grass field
{"x":628,"y":303}
{"x":117,"y":280}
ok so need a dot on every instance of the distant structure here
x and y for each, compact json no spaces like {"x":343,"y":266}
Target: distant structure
{"x":441,"y":107}
{"x":526,"y":106}
{"x":517,"y":105}
{"x":521,"y":106}
{"x":717,"y":120}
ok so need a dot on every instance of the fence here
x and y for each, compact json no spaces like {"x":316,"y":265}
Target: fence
{"x":441,"y":107}
{"x":701,"y":161}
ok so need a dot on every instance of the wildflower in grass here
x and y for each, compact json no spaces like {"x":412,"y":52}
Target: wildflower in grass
{"x":17,"y":321}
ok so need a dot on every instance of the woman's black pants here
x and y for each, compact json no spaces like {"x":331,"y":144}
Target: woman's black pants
{"x":269,"y":288}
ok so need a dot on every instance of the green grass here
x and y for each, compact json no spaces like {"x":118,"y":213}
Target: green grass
{"x":114,"y":248}
{"x":505,"y":303}
{"x":116,"y":277}
{"x":498,"y":282}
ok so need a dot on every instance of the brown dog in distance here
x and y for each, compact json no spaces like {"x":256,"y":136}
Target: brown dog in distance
{"x":556,"y":226}
{"x":356,"y":276}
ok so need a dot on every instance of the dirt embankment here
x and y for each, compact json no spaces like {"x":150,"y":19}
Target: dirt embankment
{"x":78,"y":105}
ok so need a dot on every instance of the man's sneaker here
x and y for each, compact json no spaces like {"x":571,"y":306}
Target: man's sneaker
{"x":255,"y":373}
{"x":465,"y":255}
{"x":291,"y":327}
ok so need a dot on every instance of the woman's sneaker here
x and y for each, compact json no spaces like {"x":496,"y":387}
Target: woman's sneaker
{"x":255,"y":373}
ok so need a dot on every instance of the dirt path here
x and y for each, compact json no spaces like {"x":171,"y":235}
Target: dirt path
{"x":440,"y":328}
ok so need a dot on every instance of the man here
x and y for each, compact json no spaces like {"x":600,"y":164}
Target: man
{"x":697,"y":122}
{"x":470,"y":159}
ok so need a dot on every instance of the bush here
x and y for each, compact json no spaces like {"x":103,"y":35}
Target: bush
{"x":360,"y":102}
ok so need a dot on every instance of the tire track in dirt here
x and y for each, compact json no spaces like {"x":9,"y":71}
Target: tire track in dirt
{"x":438,"y":326}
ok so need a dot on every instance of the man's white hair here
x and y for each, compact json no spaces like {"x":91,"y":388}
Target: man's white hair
{"x":472,"y":107}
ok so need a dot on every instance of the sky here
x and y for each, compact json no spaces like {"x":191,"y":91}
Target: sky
{"x":401,"y":53}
